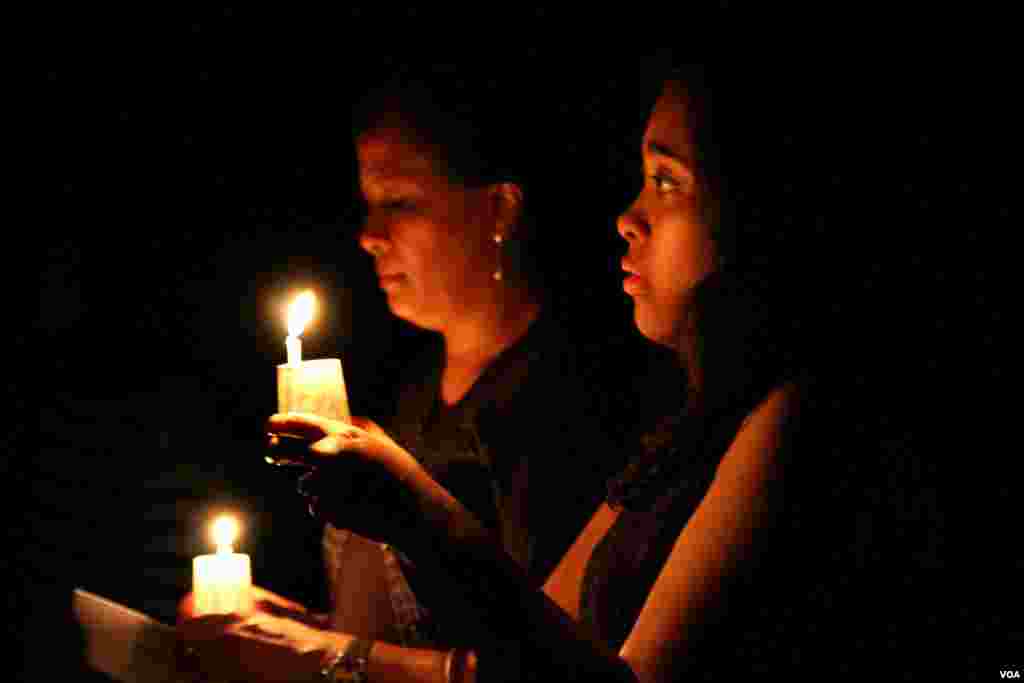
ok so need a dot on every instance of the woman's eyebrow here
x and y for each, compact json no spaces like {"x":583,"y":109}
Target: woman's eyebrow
{"x":386,"y":177}
{"x":659,"y":149}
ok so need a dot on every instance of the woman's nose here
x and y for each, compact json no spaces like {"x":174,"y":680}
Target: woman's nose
{"x":632,"y":225}
{"x":373,"y":239}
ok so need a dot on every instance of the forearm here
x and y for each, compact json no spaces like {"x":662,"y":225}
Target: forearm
{"x":518,"y":631}
{"x":394,"y":664}
{"x":515,"y":630}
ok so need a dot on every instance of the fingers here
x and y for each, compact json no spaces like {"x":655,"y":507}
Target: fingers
{"x":186,"y":608}
{"x":274,"y":608}
{"x":351,"y":439}
{"x":277,"y":609}
{"x":276,"y":605}
{"x":262,"y":630}
{"x":207,"y":627}
{"x":368,"y":425}
{"x":306,"y":425}
{"x":261,"y":595}
{"x":363,"y":422}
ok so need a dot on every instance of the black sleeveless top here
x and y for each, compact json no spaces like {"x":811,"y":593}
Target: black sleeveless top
{"x":658,"y":494}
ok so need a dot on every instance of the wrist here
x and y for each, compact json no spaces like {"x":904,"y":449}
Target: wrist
{"x":348,"y":663}
{"x":440,"y":513}
{"x":459,"y":666}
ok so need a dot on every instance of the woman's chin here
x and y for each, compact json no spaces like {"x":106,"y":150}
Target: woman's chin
{"x":400,"y":308}
{"x":415,"y":316}
{"x":654,"y":327}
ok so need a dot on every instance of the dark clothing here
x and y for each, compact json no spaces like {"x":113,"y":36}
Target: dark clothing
{"x":625,"y":564}
{"x":658,"y":498}
{"x":528,"y":451}
{"x":809,"y":600}
{"x":522,"y":636}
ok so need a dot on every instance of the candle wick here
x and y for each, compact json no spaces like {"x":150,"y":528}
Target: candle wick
{"x":294,"y":347}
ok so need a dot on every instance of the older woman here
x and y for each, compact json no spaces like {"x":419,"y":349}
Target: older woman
{"x":449,"y":224}
{"x":648,"y":576}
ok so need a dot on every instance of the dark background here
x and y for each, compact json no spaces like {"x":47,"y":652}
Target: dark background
{"x":196,"y":170}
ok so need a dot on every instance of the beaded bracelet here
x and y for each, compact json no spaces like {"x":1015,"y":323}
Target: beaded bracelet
{"x":454,"y":665}
{"x":351,"y":663}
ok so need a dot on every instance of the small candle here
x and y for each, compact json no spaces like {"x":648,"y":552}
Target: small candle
{"x":221,"y":582}
{"x":299,"y":314}
{"x":312,"y":386}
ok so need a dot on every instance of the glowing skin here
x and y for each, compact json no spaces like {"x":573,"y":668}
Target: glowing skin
{"x":425,"y":232}
{"x":433,"y":243}
{"x":670,"y":248}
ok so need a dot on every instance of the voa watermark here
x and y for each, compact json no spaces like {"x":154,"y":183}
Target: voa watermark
{"x":1009,"y":674}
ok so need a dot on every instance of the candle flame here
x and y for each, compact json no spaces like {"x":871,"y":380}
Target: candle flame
{"x":300,"y":312}
{"x":224,"y":531}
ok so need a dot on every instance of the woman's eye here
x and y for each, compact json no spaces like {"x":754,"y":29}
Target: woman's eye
{"x":664,"y":183}
{"x":396,"y":204}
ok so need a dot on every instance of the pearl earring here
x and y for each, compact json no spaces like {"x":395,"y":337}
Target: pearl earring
{"x":498,"y":275}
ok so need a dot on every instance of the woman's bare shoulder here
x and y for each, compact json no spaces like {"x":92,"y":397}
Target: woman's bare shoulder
{"x":779,"y":404}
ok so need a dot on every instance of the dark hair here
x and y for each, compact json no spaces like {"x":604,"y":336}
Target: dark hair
{"x":743,"y":325}
{"x":739,"y":339}
{"x":466,"y":120}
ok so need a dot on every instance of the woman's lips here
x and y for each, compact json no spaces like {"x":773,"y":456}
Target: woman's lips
{"x":389,"y":282}
{"x":633,"y":284}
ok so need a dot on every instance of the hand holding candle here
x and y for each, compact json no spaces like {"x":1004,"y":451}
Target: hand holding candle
{"x":221,"y":582}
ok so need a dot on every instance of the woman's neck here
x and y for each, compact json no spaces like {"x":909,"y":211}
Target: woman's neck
{"x":473,"y":342}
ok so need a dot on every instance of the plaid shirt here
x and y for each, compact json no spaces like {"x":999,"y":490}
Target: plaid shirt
{"x":409,"y":616}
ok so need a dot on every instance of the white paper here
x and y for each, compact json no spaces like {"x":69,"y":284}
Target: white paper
{"x":125,"y":643}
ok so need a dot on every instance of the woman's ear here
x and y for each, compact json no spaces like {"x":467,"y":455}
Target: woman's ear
{"x":507,"y":203}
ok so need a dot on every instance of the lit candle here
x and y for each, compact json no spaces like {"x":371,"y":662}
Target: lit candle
{"x":221,"y":581}
{"x":300,"y":312}
{"x":312,"y":386}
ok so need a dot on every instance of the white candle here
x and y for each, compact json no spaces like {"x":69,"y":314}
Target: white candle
{"x":300,"y":312}
{"x":221,"y":582}
{"x":312,"y":386}
{"x":294,"y":346}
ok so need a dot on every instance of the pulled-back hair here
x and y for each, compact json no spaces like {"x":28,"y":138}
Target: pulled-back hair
{"x":466,"y":119}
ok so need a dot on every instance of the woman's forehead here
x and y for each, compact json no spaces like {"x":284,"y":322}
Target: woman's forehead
{"x":668,"y":126}
{"x":393,"y":151}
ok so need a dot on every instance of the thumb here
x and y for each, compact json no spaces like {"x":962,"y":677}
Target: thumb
{"x":186,"y":608}
{"x":333,"y":445}
{"x":366,"y":424}
{"x":305,"y":425}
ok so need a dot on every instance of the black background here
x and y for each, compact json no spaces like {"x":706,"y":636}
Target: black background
{"x":196,"y":170}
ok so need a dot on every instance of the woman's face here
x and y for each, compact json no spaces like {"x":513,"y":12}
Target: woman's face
{"x":670,"y":248}
{"x":431,"y":238}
